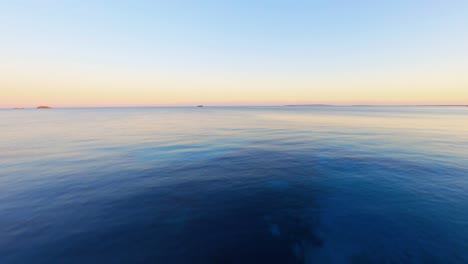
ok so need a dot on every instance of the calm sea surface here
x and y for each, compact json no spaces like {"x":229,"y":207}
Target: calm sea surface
{"x":234,"y":185}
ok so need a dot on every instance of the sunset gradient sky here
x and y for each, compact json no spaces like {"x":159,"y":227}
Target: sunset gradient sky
{"x":164,"y":53}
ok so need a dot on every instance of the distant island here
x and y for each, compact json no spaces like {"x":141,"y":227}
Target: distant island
{"x":199,"y":105}
{"x":408,"y":105}
{"x":43,"y":107}
{"x":310,"y":105}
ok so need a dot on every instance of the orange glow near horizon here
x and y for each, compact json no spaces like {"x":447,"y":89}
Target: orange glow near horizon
{"x":94,"y":88}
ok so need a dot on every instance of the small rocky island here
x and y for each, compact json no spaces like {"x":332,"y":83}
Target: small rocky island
{"x":43,"y":107}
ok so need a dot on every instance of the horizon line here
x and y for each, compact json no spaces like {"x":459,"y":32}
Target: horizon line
{"x":279,"y":105}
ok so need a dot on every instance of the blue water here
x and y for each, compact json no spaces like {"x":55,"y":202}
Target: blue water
{"x":234,"y":185}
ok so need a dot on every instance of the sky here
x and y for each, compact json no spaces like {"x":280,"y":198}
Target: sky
{"x":173,"y":53}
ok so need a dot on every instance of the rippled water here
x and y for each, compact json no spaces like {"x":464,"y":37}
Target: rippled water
{"x":234,"y":185}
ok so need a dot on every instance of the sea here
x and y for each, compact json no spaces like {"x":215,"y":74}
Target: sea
{"x":288,"y":184}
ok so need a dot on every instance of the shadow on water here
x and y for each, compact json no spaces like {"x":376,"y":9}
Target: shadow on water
{"x":251,"y":206}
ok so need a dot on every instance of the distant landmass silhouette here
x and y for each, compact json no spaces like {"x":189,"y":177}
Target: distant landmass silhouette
{"x":43,"y":107}
{"x":309,"y":105}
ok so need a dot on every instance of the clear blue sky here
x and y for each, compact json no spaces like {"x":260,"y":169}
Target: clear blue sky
{"x":233,"y":52}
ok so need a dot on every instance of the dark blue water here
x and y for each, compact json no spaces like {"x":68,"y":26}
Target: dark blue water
{"x":234,"y":185}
